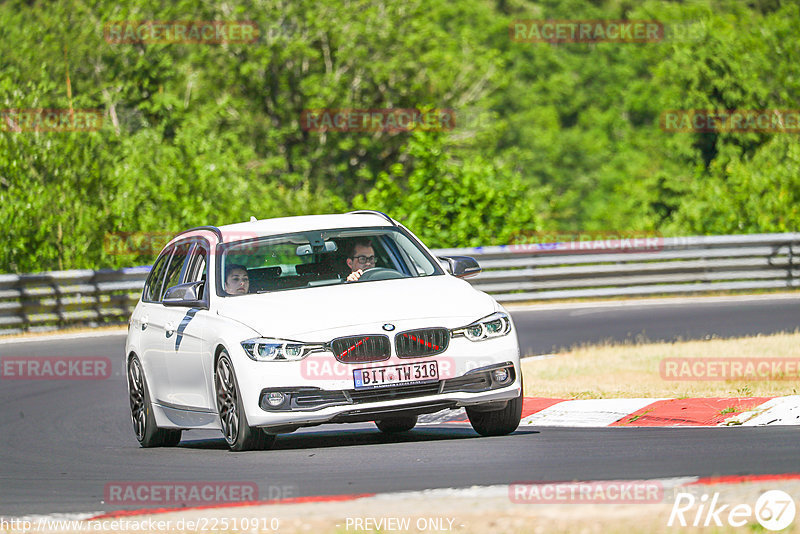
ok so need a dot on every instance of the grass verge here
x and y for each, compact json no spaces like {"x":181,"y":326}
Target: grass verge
{"x":612,"y":371}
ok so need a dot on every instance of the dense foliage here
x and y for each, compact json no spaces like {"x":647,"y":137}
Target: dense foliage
{"x":548,"y":136}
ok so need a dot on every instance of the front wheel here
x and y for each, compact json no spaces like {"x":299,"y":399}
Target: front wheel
{"x":144,"y":421}
{"x":497,"y":422}
{"x":392,"y":425}
{"x":238,"y":435}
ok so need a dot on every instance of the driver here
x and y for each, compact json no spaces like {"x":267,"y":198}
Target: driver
{"x":236,"y":280}
{"x":360,"y":258}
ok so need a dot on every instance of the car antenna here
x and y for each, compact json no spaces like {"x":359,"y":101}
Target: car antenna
{"x":253,"y":218}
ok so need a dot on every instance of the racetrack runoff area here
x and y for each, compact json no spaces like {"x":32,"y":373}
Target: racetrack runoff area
{"x":687,"y":504}
{"x":609,"y":400}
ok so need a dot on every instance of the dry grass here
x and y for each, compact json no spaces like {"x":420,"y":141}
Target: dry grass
{"x":608,"y":371}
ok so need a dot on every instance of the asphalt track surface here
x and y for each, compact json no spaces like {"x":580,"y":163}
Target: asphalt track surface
{"x":61,"y":442}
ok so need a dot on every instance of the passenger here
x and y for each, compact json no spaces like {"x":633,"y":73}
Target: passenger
{"x":236,"y":281}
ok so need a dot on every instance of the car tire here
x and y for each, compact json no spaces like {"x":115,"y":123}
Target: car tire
{"x":392,"y":425}
{"x":237,"y":433}
{"x":497,"y":422}
{"x":144,"y":421}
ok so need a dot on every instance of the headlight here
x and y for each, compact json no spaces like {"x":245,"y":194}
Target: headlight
{"x":495,"y":325}
{"x":272,"y":350}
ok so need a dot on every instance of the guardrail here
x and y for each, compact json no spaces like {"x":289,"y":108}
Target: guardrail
{"x":524,"y":272}
{"x":629,"y":267}
{"x":55,"y":299}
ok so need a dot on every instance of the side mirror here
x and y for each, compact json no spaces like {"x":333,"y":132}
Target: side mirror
{"x":461,"y":266}
{"x":186,"y":295}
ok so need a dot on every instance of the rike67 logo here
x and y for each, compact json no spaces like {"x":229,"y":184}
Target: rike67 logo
{"x":774,"y":510}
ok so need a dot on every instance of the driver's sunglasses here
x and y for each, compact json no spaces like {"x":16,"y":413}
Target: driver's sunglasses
{"x":364,"y":259}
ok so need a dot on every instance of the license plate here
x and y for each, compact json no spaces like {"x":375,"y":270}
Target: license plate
{"x":392,"y":375}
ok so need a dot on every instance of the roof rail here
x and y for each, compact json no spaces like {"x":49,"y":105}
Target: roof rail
{"x":213,"y":229}
{"x":374,"y":212}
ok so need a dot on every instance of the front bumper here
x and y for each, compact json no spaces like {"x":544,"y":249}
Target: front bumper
{"x":306,"y":406}
{"x":323,"y":390}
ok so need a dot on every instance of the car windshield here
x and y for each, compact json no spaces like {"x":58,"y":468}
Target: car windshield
{"x":319,"y":258}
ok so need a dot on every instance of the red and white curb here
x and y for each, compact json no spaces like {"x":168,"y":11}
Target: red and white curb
{"x":691,"y":412}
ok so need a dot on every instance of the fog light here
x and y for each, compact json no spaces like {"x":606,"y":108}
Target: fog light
{"x":501,"y":375}
{"x":275,"y":398}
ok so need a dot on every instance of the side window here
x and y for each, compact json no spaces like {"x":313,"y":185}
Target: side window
{"x":415,"y":257}
{"x":175,"y":268}
{"x":196,"y":270}
{"x":152,"y":289}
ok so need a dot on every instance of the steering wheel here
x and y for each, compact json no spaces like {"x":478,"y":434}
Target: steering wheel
{"x":380,"y":273}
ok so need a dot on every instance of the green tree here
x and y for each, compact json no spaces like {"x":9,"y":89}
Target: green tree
{"x":446,"y":201}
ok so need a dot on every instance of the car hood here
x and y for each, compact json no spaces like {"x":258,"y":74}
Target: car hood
{"x":318,"y":313}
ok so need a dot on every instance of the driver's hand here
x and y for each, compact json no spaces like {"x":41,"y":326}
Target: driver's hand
{"x":355,"y":275}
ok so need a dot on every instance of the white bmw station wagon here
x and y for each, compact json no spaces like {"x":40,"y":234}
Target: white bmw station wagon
{"x":260,"y":328}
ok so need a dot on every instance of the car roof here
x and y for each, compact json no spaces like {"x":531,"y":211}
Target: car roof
{"x":282,"y":225}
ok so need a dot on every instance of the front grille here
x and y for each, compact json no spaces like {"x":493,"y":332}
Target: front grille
{"x":392,"y":393}
{"x":423,"y":342}
{"x":360,"y":349}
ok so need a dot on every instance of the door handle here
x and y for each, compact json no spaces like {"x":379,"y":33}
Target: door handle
{"x":144,"y":321}
{"x":170,"y":328}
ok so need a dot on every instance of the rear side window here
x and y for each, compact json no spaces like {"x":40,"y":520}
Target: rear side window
{"x":152,"y":289}
{"x":173,"y":277}
{"x":196,"y":269}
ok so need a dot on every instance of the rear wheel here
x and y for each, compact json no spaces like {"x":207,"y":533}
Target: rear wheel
{"x":497,"y":422}
{"x":144,"y":421}
{"x":238,"y":435}
{"x":393,"y":425}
